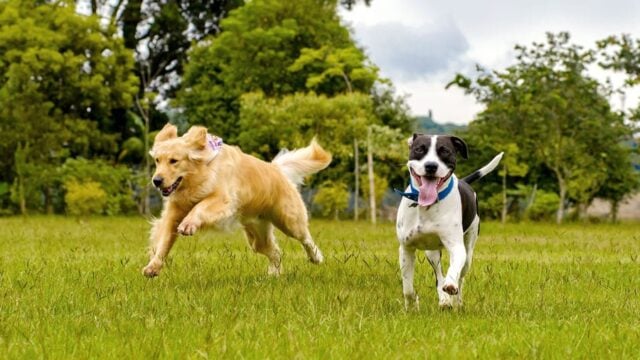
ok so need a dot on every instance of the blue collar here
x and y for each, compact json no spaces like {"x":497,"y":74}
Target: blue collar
{"x":413,"y":193}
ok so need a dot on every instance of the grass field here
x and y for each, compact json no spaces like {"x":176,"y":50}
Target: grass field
{"x":72,"y":289}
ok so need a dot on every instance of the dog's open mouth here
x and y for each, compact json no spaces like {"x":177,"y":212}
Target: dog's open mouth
{"x":428,"y":188}
{"x":167,"y":191}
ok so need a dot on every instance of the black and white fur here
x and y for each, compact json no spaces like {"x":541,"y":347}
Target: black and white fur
{"x":452,"y":222}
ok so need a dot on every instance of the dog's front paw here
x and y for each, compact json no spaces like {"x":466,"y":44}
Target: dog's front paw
{"x":411,"y":302}
{"x":188,"y":227}
{"x":151,"y":270}
{"x":274,"y":270}
{"x":450,"y":288}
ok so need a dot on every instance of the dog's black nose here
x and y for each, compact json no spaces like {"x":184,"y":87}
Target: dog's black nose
{"x":430,"y":167}
{"x":157,"y":181}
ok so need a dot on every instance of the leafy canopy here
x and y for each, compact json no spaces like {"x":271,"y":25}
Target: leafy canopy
{"x":559,"y":115}
{"x":256,"y":51}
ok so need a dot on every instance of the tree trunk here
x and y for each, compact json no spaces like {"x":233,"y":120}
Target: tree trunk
{"x":356,"y":174}
{"x":22,"y":201}
{"x":147,"y":167}
{"x":131,"y":17}
{"x":563,"y":195}
{"x":615,"y":204}
{"x":372,"y":188}
{"x":504,"y":196}
{"x":48,"y":202}
{"x":143,"y":108}
{"x":20,"y":162}
{"x":581,"y":211}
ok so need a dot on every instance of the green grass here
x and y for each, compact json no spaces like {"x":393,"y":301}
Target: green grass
{"x":72,"y":289}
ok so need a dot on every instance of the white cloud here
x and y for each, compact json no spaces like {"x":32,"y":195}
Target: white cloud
{"x":421,"y":44}
{"x":406,"y":52}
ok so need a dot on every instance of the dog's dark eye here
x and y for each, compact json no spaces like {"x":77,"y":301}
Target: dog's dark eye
{"x":419,"y":150}
{"x":173,"y":161}
{"x":443,"y":150}
{"x":157,"y":160}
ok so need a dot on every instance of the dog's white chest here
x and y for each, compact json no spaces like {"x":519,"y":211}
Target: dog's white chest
{"x":424,"y":228}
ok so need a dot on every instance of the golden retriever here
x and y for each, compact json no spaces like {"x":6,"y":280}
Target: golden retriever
{"x":207,"y":183}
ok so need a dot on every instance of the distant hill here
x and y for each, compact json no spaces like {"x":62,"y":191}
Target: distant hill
{"x":426,"y":124}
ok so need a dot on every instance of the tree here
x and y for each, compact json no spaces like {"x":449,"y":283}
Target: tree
{"x":332,"y":197}
{"x":160,"y":33}
{"x":622,"y":54}
{"x":62,"y":76}
{"x":625,"y":56}
{"x":331,"y":70}
{"x":347,"y":65}
{"x":258,"y":45}
{"x":559,"y":115}
{"x":291,"y":122}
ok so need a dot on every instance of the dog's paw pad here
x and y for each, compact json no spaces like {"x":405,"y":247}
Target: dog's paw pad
{"x":450,"y":289}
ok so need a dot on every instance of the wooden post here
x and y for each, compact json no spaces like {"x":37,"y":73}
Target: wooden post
{"x":372,"y":189}
{"x":356,"y":173}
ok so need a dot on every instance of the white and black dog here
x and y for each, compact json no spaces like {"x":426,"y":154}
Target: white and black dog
{"x":438,"y":210}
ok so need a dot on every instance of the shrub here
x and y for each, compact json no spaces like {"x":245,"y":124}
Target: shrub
{"x":85,"y":198}
{"x":332,"y":197}
{"x":544,"y":205}
{"x":115,"y":180}
{"x":491,"y":207}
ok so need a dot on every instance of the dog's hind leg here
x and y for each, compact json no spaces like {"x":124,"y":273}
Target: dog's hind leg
{"x":262,"y":240}
{"x":294,"y":223}
{"x":470,"y":238}
{"x":313,"y":252}
{"x":434,"y":258}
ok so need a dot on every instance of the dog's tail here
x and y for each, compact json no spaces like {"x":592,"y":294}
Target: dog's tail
{"x":484,"y":170}
{"x":299,"y":163}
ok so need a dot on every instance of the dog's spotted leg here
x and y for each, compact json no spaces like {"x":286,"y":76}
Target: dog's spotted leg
{"x":163,"y":235}
{"x":407,"y":266}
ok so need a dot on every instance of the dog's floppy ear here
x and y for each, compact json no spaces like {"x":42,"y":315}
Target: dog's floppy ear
{"x":412,"y":138}
{"x":168,"y":132}
{"x":196,"y":137}
{"x":460,"y":146}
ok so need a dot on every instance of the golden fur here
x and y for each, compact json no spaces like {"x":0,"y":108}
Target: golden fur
{"x":230,"y":187}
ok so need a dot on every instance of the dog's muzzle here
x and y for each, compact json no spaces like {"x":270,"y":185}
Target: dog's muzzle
{"x":168,"y":190}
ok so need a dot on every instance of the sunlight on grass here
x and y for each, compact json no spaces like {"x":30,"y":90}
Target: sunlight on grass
{"x":74,"y":289}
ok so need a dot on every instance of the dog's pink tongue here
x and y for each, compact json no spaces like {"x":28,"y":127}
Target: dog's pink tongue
{"x":428,"y":192}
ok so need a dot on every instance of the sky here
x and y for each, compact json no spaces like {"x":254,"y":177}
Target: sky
{"x":421,"y":44}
